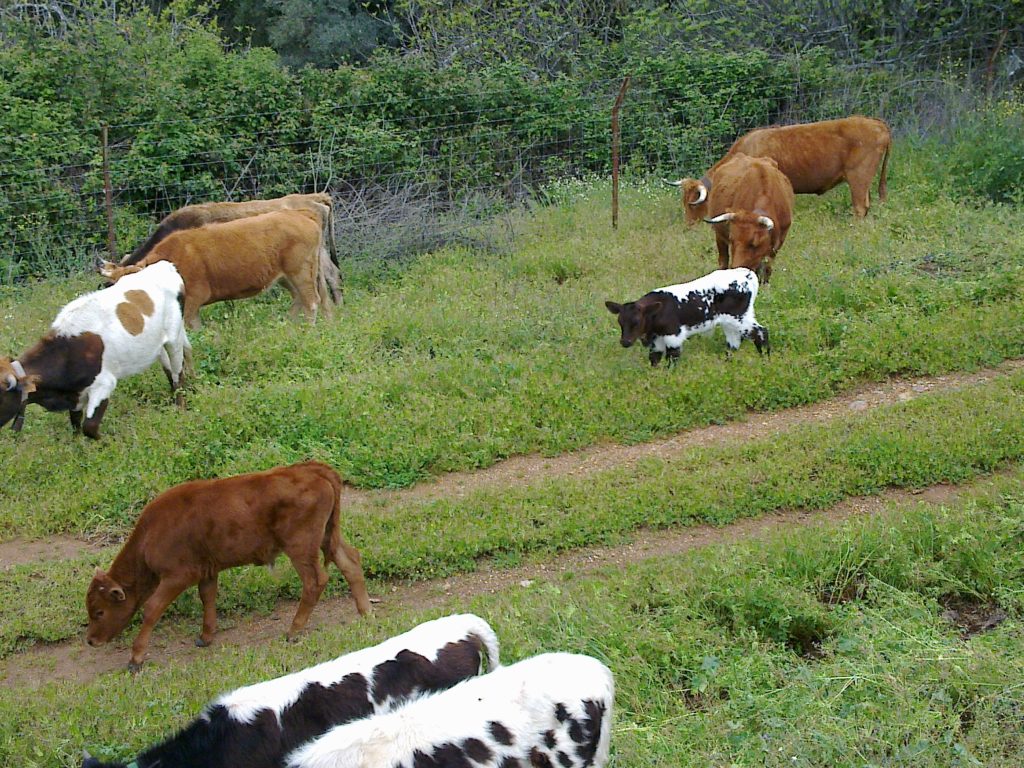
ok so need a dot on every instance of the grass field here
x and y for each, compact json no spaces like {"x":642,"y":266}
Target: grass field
{"x":465,"y":358}
{"x":824,"y":647}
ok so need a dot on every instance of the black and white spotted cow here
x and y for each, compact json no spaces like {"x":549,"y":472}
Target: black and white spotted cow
{"x":549,"y":711}
{"x":259,"y":725}
{"x":664,"y":318}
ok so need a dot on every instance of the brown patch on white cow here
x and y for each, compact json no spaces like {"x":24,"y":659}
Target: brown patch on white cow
{"x":131,"y":317}
{"x":141,"y":300}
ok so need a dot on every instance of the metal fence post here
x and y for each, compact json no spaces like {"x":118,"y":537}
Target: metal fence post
{"x":615,"y":151}
{"x":108,"y":197}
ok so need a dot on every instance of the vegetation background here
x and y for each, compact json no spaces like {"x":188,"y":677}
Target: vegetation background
{"x":440,"y":128}
{"x":425,"y":118}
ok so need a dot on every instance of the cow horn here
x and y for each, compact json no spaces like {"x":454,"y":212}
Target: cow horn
{"x":766,"y":222}
{"x":728,"y":216}
{"x":11,"y":382}
{"x":673,"y":183}
{"x":702,"y":195}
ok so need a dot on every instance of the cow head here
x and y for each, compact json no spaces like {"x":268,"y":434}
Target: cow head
{"x":750,"y":237}
{"x":693,"y":197}
{"x":15,"y":388}
{"x":635,"y":318}
{"x":113,"y":272}
{"x":110,"y":607}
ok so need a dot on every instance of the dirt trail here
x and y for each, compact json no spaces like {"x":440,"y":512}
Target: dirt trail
{"x":595,"y":459}
{"x":173,"y":641}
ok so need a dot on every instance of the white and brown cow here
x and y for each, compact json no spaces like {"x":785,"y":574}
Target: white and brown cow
{"x":96,"y":340}
{"x":549,"y":711}
{"x":258,"y":725}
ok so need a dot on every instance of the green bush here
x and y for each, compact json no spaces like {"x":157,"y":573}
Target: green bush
{"x":987,"y":158}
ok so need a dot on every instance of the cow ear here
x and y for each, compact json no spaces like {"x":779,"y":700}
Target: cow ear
{"x":613,"y":307}
{"x":653,"y":307}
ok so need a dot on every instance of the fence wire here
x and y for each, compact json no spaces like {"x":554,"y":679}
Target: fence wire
{"x":405,"y":183}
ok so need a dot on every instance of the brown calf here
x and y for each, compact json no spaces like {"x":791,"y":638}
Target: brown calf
{"x":239,"y":259}
{"x":751,"y":208}
{"x":815,"y":157}
{"x":193,"y":531}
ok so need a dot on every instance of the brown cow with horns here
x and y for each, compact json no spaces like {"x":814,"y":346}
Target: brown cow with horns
{"x":815,"y":157}
{"x":751,"y":209}
{"x":193,"y":531}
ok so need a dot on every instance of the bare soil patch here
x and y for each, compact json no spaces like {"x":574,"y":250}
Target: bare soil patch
{"x":971,"y":615}
{"x":173,"y":642}
{"x":534,"y":468}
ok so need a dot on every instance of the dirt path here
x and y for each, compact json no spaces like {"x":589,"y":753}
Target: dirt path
{"x":595,"y":459}
{"x":173,"y":642}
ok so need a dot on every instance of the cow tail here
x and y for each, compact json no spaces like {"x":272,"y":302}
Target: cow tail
{"x":885,"y":167}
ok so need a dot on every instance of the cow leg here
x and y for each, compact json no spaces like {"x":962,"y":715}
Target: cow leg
{"x":91,"y":427}
{"x":208,"y":594}
{"x":304,"y":294}
{"x":860,"y":189}
{"x":722,"y":244}
{"x":733,"y":337}
{"x":193,"y":301}
{"x":672,"y":355}
{"x":76,"y":420}
{"x":163,"y":596}
{"x":96,"y":404}
{"x":657,"y":350}
{"x":314,"y":579}
{"x":349,"y":562}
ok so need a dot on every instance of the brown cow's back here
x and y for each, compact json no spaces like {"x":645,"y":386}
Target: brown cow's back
{"x":818,"y":156}
{"x":242,"y":516}
{"x":200,"y":214}
{"x":238,"y":259}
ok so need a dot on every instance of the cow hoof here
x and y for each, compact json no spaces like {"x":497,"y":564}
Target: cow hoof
{"x":92,"y":434}
{"x":134,"y":667}
{"x":200,"y":643}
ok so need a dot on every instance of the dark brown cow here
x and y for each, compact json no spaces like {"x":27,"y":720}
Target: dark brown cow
{"x":751,"y":207}
{"x":241,"y":258}
{"x":193,"y":531}
{"x":815,"y":157}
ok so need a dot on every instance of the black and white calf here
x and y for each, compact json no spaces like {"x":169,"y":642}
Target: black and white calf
{"x":666,"y":317}
{"x":550,"y":711}
{"x":257,"y":726}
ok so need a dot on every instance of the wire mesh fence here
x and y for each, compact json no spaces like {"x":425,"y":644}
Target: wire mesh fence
{"x":411,"y":177}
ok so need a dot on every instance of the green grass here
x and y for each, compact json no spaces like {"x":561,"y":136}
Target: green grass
{"x":464,"y":358}
{"x":946,"y":437}
{"x":733,"y":655}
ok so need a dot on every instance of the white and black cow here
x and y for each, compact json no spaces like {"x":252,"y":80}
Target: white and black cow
{"x":666,"y":317}
{"x":549,"y":711}
{"x":95,"y":341}
{"x":257,"y":726}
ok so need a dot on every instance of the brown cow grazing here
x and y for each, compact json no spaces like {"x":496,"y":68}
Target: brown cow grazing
{"x":239,"y":259}
{"x":193,"y":531}
{"x":815,"y":157}
{"x":751,"y":207}
{"x":193,"y":216}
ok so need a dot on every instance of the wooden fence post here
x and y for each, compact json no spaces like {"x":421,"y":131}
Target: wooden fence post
{"x":615,"y":151}
{"x":108,"y":197}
